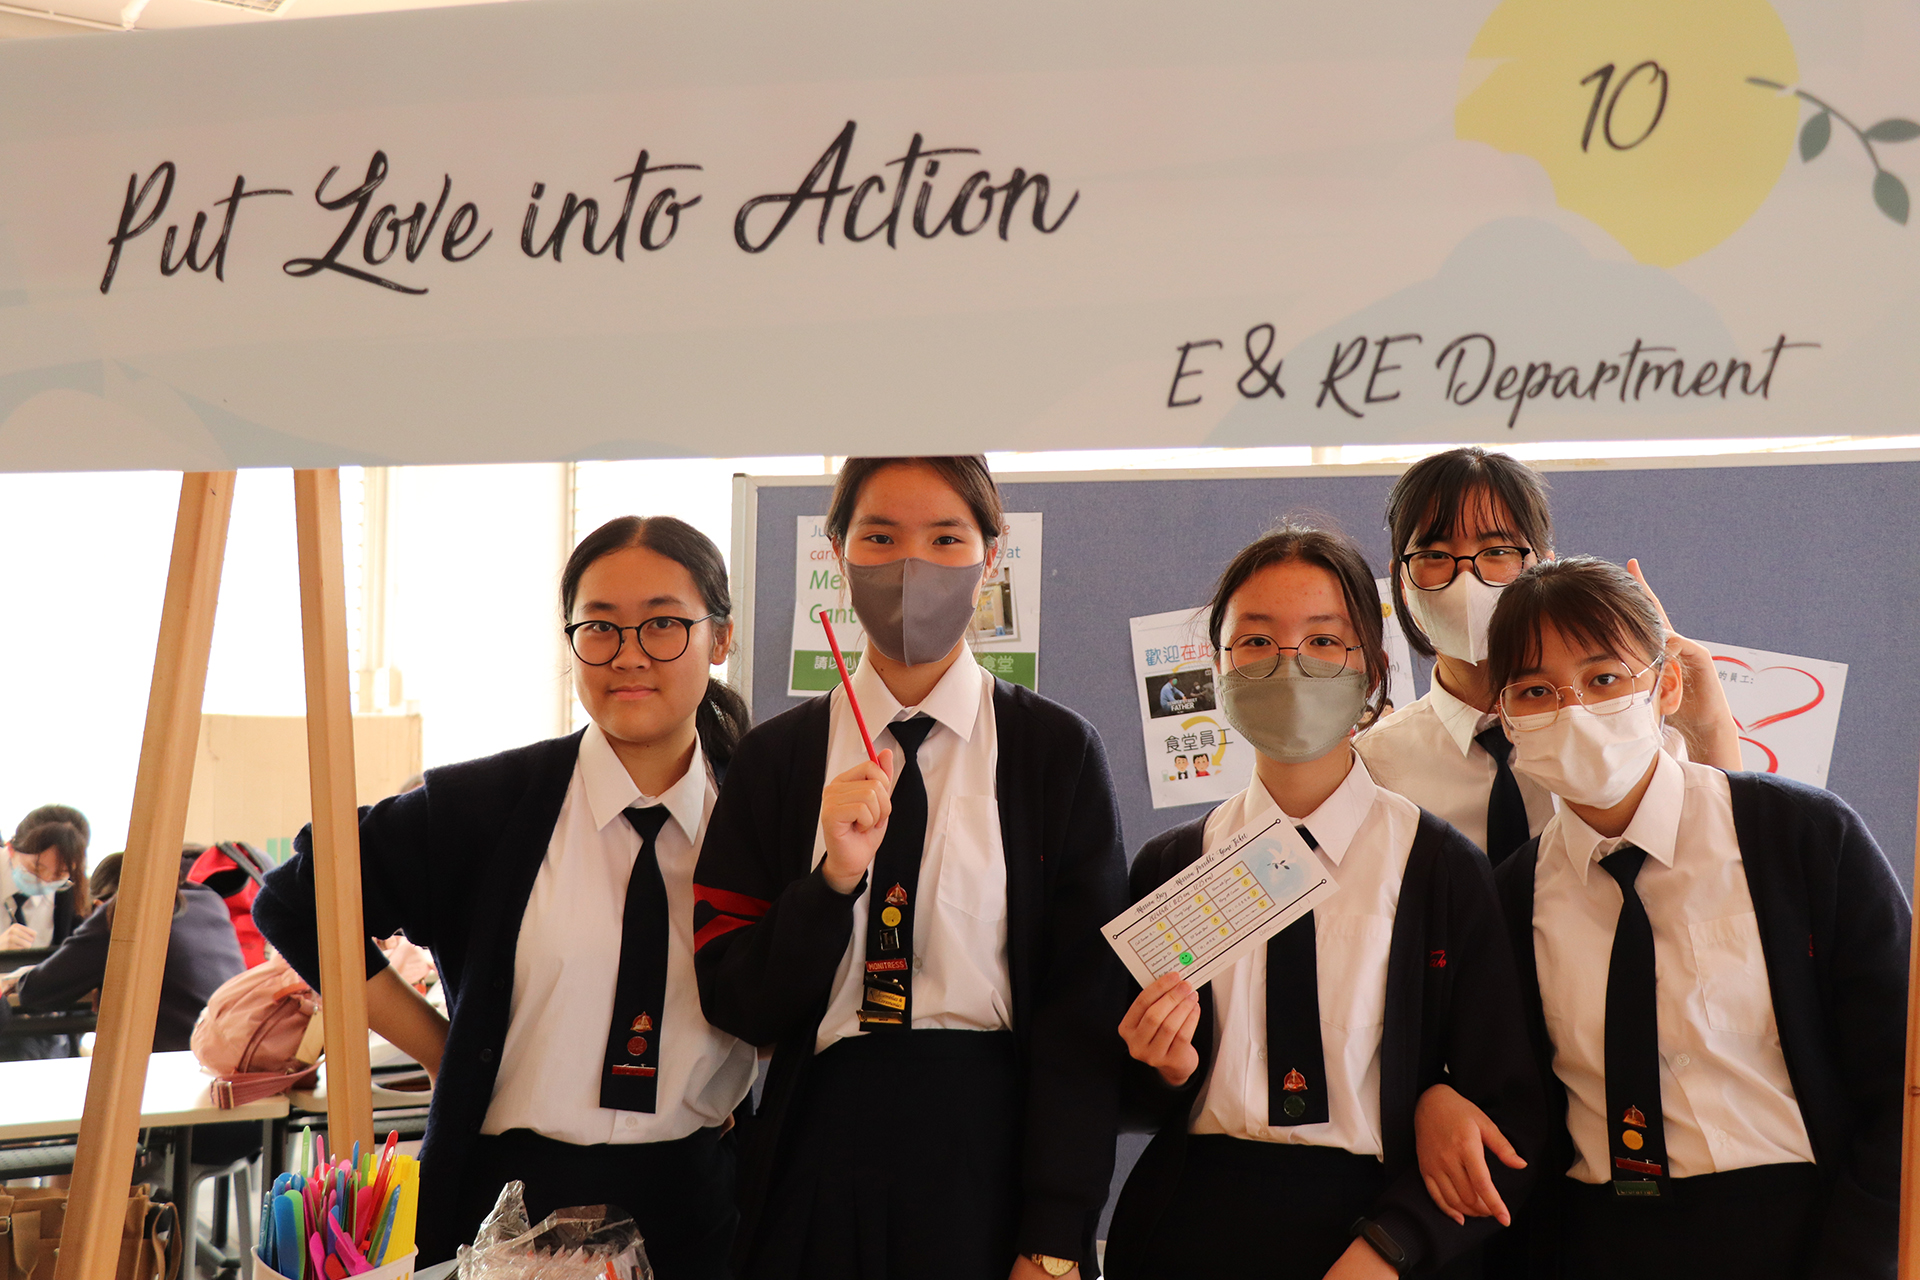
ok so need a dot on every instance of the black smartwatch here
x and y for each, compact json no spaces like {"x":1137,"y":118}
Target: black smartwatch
{"x":1383,"y":1244}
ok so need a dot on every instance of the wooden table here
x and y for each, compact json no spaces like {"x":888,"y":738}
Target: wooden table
{"x":44,"y":1099}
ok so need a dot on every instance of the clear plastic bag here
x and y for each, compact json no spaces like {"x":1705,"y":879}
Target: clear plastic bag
{"x":593,"y":1242}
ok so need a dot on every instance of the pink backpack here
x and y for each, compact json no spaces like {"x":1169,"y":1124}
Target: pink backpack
{"x":259,"y":1034}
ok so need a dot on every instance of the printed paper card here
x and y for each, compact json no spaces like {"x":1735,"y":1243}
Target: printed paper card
{"x":1200,"y":923}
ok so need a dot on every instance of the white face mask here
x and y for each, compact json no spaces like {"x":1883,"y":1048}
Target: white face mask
{"x":1455,"y":617}
{"x":1590,"y":759}
{"x":24,"y":881}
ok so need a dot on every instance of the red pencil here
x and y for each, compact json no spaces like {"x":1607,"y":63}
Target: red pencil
{"x":847,"y":684}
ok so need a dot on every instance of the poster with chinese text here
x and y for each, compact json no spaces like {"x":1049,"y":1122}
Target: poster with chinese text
{"x":1193,"y":757}
{"x":1788,"y":709}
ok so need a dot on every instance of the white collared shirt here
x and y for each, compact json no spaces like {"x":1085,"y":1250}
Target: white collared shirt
{"x":568,"y":959}
{"x":1366,"y":833}
{"x":1426,"y":752}
{"x":960,"y":977}
{"x":1724,"y":1091}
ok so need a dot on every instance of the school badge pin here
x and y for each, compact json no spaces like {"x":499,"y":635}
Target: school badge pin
{"x":1634,"y":1117}
{"x":896,"y":897}
{"x":1294,"y":1083}
{"x":643,"y":1023}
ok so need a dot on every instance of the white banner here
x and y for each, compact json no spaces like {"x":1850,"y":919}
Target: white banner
{"x":607,"y":228}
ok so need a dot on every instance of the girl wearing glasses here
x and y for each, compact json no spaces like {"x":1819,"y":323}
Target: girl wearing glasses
{"x":1464,"y":524}
{"x":1715,"y":967}
{"x":553,"y":883}
{"x":1284,"y":1092}
{"x":918,"y":937}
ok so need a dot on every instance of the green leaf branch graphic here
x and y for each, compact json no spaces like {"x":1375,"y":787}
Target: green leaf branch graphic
{"x":1889,"y":193}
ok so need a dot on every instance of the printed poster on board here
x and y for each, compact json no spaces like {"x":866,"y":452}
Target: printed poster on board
{"x":1399,"y":654}
{"x":1193,"y":756}
{"x":1005,"y":636}
{"x":1788,"y":709}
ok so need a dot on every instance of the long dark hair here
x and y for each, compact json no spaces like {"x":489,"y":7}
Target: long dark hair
{"x":1296,"y":538}
{"x":1431,"y":499}
{"x":723,"y":716}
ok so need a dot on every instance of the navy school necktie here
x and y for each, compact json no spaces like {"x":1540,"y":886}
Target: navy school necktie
{"x":1507,"y":827}
{"x":630,"y":1080}
{"x":892,"y":890}
{"x":1636,"y":1134}
{"x":1296,"y":1063}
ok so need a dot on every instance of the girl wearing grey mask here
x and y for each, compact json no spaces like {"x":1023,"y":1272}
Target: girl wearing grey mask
{"x":1288,"y":1086}
{"x":917,"y":936}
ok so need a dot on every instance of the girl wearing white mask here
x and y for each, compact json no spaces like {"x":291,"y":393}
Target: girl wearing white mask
{"x":1464,"y":524}
{"x":918,"y":937}
{"x":1284,"y":1091}
{"x":1715,"y":967}
{"x":43,"y":881}
{"x":43,"y":898}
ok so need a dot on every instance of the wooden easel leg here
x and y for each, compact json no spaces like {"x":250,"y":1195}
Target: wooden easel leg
{"x":1910,"y":1144}
{"x":336,"y":824}
{"x":143,"y":916}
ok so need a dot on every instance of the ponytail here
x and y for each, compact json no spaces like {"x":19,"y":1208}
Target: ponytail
{"x":721,"y":721}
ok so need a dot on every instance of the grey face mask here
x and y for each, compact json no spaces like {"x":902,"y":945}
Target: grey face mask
{"x":914,"y":610}
{"x":1290,"y":717}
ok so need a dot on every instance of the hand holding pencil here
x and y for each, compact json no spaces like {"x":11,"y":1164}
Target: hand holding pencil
{"x":854,"y":806}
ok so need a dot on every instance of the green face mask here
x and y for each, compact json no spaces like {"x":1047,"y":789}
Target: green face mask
{"x":1291,"y":717}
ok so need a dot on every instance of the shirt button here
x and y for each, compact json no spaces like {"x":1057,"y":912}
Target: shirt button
{"x":1681,"y":1060}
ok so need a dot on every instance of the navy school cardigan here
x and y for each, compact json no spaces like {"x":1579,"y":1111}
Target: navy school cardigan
{"x":451,"y":865}
{"x":771,"y":935}
{"x":1834,"y":929}
{"x":1453,"y":1016}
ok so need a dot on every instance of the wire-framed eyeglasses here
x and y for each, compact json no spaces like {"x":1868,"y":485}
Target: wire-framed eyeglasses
{"x":1318,"y":657}
{"x":1605,"y":689}
{"x":1436,"y":570}
{"x":662,"y":639}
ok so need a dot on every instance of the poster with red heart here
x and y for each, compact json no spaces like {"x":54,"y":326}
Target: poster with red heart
{"x":1788,"y":709}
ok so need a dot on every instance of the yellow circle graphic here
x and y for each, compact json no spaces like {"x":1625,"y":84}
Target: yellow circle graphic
{"x":1632,"y":1140}
{"x":1640,"y":111}
{"x":890,"y":916}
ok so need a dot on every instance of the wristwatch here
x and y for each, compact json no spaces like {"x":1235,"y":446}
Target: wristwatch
{"x":1389,"y":1249}
{"x":1051,"y":1265}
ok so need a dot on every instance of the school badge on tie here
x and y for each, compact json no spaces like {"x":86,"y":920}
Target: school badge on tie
{"x":1295,"y":1084}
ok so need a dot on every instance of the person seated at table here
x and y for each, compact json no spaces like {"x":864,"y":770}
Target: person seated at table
{"x":202,"y":953}
{"x":43,"y":879}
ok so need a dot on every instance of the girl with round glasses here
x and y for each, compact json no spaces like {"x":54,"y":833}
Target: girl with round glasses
{"x":1715,"y":967}
{"x":1465,"y":523}
{"x":1284,"y":1092}
{"x":554,"y":885}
